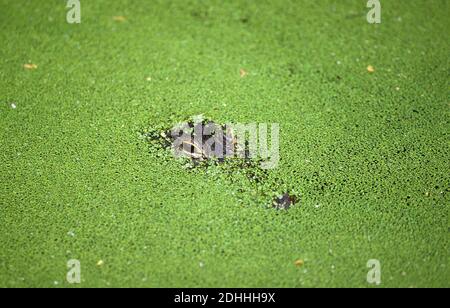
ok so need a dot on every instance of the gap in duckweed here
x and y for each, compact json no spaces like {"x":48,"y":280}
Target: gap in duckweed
{"x":199,"y":154}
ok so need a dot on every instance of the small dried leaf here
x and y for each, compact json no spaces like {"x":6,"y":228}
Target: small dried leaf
{"x":30,"y":66}
{"x":243,"y":73}
{"x":119,"y":18}
{"x":299,"y":263}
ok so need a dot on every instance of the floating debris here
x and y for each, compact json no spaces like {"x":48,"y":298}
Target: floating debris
{"x":119,"y":18}
{"x":299,"y":263}
{"x":30,"y":66}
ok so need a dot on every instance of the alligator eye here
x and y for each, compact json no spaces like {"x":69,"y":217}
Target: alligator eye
{"x":285,"y":201}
